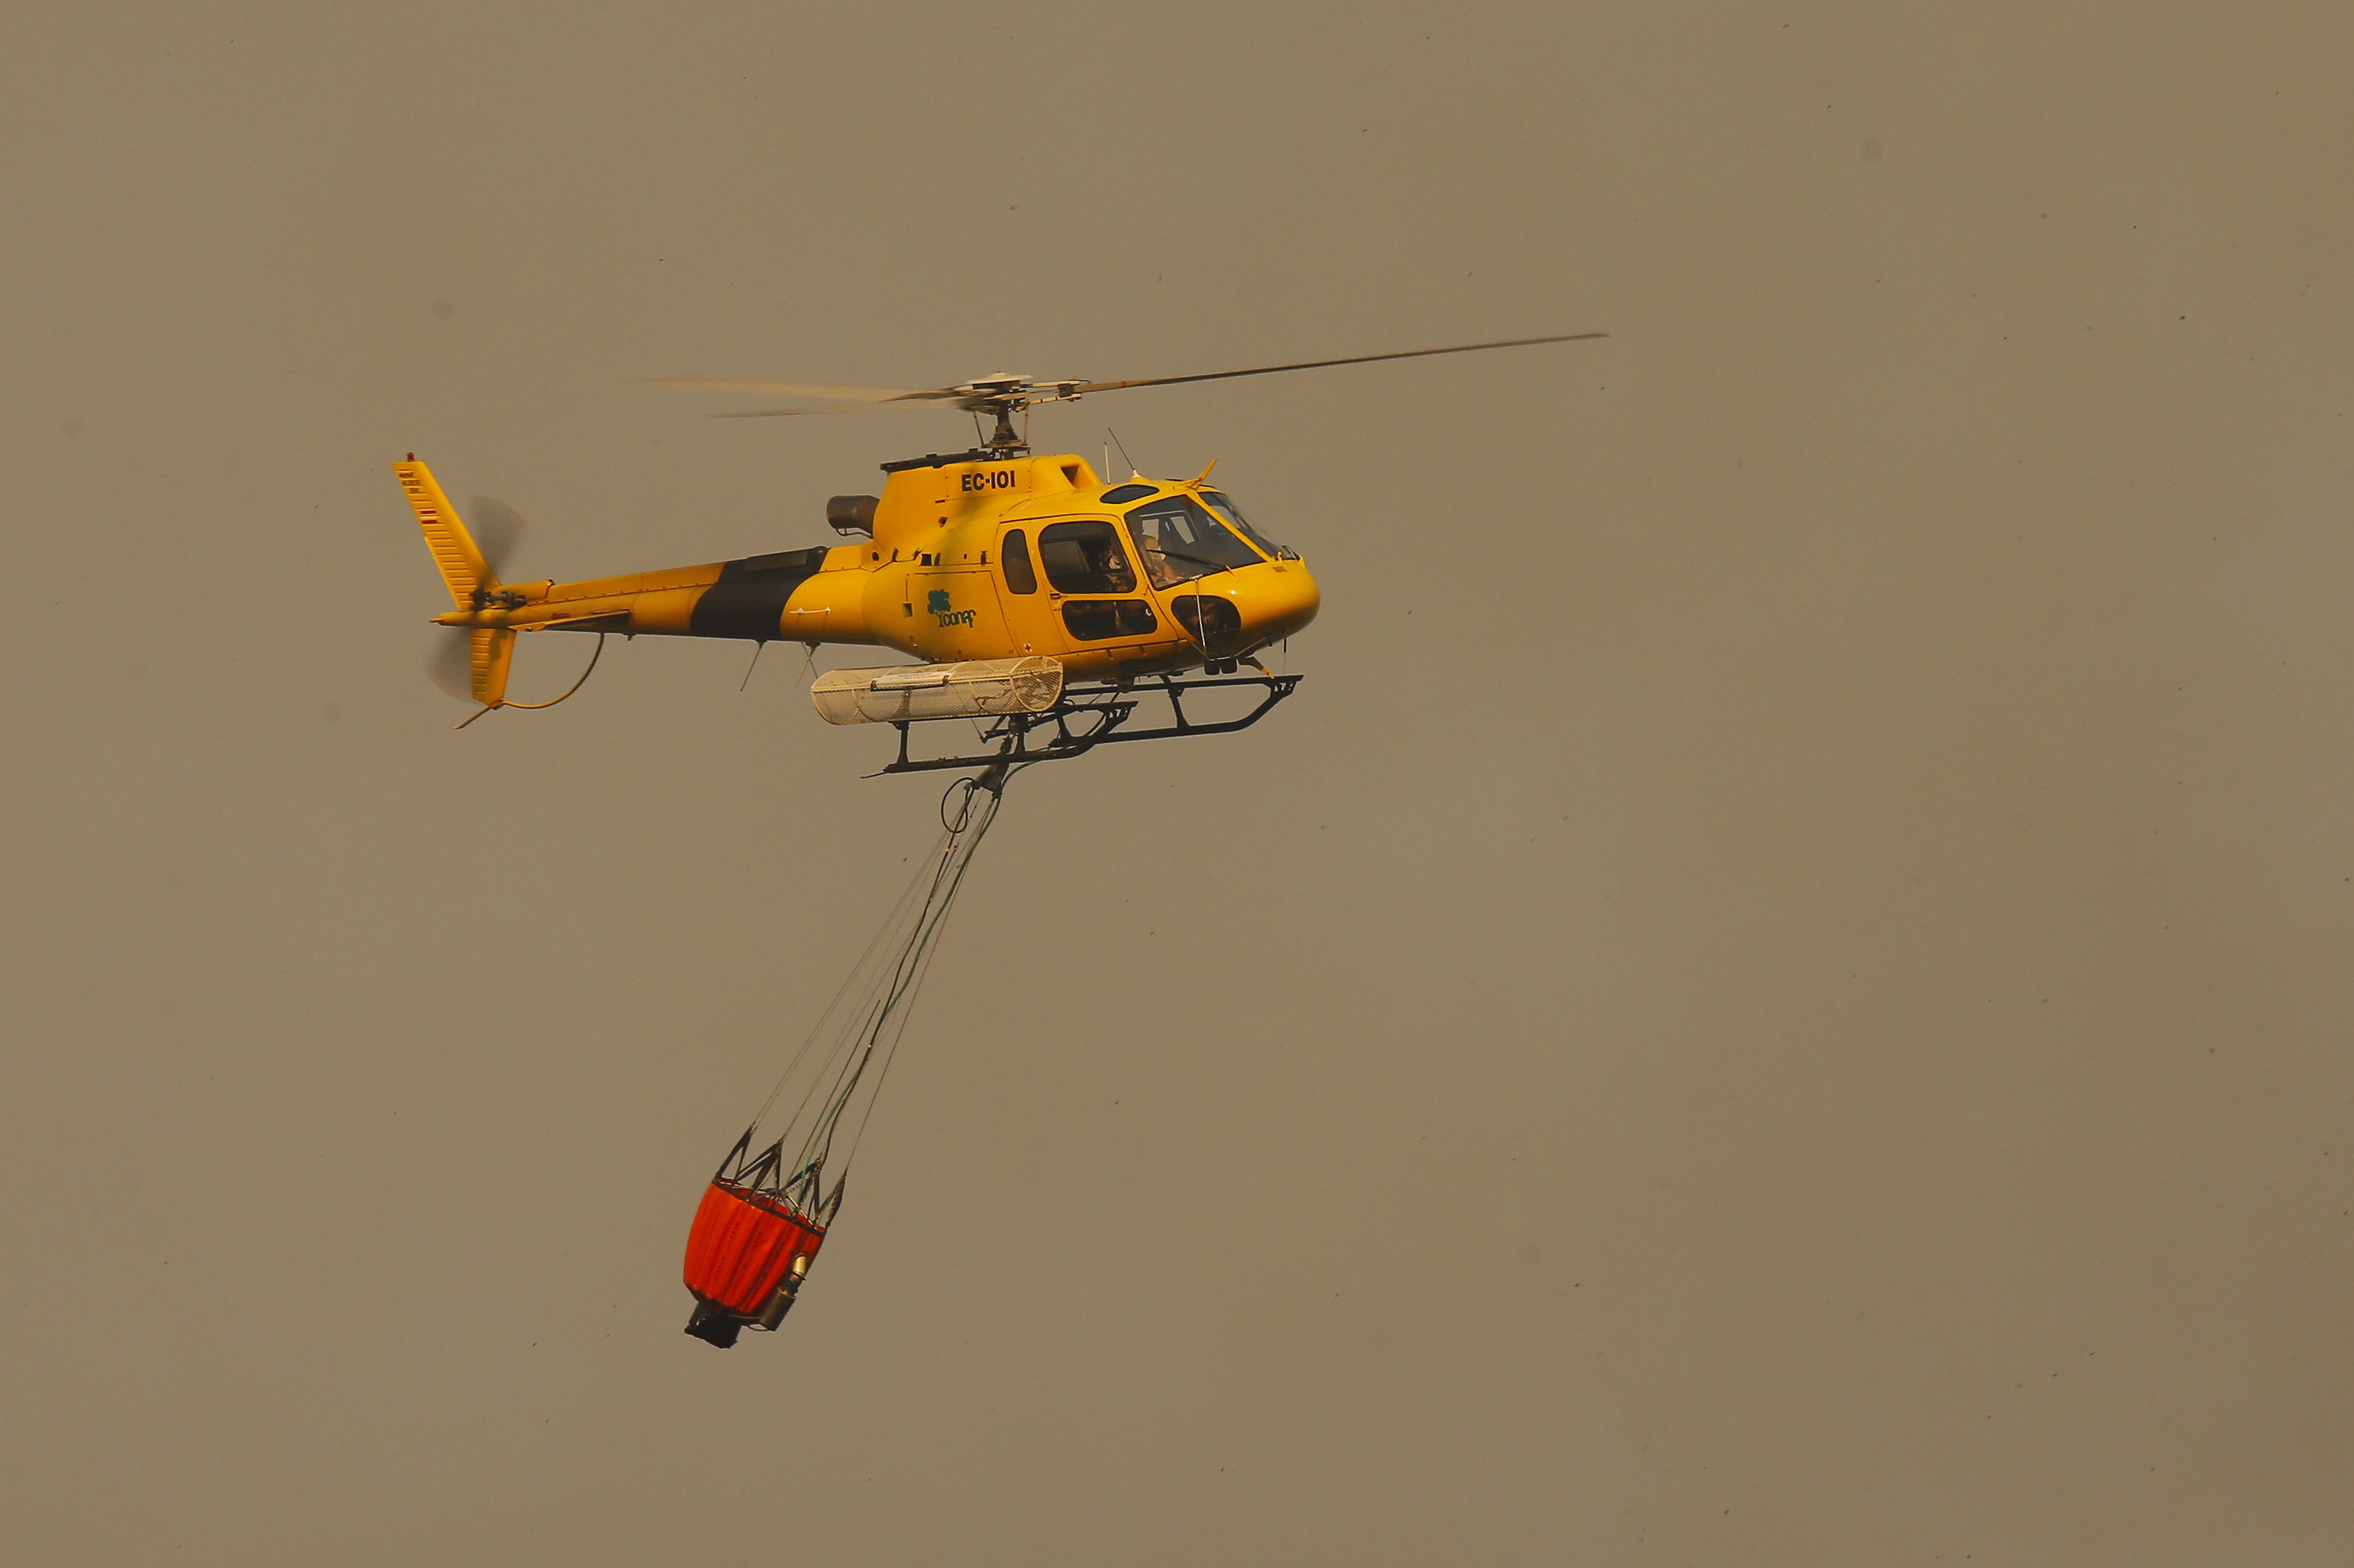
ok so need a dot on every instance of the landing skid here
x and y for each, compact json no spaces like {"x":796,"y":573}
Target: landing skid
{"x":1088,"y":717}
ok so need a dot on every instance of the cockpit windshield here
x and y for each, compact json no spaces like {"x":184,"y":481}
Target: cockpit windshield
{"x":1180,"y":541}
{"x":1223,"y":504}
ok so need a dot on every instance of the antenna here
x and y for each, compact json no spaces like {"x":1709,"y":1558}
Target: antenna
{"x":1133,"y":472}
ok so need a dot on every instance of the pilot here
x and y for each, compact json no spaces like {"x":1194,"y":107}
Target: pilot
{"x":1107,"y":562}
{"x":1157,"y":566}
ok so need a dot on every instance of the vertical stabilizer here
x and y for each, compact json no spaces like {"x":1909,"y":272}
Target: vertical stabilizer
{"x":489,"y":651}
{"x":462,"y":564}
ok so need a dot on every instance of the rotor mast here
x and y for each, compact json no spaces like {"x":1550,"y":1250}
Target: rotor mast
{"x":1003,"y":441}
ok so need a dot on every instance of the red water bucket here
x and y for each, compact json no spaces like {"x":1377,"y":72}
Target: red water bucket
{"x":742,"y":1248}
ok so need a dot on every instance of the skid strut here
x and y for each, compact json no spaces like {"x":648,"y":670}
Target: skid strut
{"x":1085,"y":717}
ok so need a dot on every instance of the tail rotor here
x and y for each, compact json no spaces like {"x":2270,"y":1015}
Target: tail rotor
{"x":452,"y":663}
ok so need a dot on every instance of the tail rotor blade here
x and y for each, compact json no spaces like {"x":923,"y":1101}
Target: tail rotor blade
{"x":498,"y":530}
{"x":448,"y":665}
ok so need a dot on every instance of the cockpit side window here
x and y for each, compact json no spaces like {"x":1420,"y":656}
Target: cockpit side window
{"x":1085,"y":557}
{"x":1014,"y":556}
{"x":1180,"y":541}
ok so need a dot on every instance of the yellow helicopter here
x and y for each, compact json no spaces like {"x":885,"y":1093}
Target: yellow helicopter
{"x":1037,"y":595}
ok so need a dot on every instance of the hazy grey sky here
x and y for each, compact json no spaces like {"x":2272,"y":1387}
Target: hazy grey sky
{"x":1779,"y":996}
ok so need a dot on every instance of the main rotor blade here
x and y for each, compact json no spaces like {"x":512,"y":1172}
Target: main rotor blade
{"x":1320,"y":363}
{"x":796,"y":388}
{"x":836,"y":408}
{"x":1021,"y":392}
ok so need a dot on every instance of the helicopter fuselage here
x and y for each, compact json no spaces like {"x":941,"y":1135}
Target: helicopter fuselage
{"x":973,"y":557}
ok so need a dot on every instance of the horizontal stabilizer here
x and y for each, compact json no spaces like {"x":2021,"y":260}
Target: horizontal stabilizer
{"x":603,"y":621}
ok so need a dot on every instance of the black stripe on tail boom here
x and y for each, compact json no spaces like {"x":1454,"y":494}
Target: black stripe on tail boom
{"x":749,"y":599}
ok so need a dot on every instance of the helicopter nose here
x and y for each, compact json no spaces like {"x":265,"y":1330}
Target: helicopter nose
{"x":1281,"y":599}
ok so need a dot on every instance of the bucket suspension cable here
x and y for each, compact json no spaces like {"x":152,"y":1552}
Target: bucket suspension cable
{"x":884,"y":1019}
{"x":968,"y":821}
{"x":764,"y":1217}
